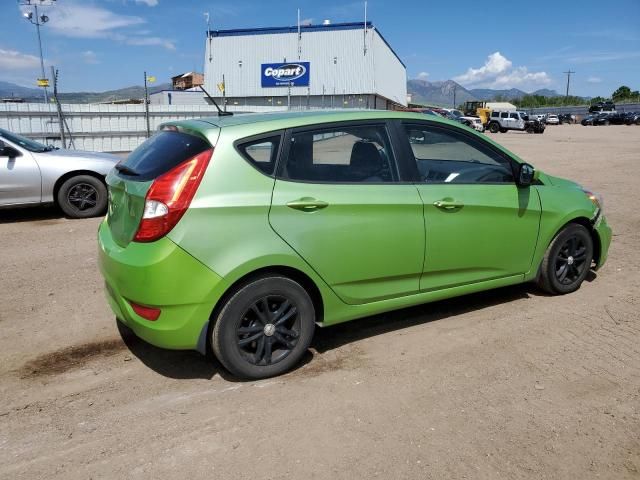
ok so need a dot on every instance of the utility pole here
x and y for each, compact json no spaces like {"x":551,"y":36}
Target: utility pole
{"x":455,"y":87}
{"x":38,"y":20}
{"x":54,"y":77}
{"x":568,"y":80}
{"x":146,"y":105}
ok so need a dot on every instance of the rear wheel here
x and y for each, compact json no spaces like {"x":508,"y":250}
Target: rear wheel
{"x":82,"y":196}
{"x":503,"y":130}
{"x":264,"y":328}
{"x":530,"y":130}
{"x":567,"y":261}
{"x":494,"y":127}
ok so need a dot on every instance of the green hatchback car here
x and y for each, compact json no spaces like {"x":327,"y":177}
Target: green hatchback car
{"x":241,"y":233}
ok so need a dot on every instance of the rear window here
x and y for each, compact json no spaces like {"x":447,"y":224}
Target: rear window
{"x":160,"y":153}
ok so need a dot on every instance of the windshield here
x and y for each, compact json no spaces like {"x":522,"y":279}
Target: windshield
{"x":30,"y":145}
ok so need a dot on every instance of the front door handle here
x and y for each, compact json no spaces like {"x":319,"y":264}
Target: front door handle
{"x":307,"y":204}
{"x":448,"y":204}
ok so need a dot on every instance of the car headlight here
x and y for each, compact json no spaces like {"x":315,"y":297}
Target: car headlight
{"x":595,"y":198}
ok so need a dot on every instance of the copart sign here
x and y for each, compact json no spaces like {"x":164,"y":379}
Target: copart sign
{"x":295,"y":74}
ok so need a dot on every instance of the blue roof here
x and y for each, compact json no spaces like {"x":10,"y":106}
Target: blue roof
{"x":239,"y":32}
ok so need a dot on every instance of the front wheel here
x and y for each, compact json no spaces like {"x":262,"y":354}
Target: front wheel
{"x":82,"y":196}
{"x":264,"y":328}
{"x":494,"y":128}
{"x":567,"y":261}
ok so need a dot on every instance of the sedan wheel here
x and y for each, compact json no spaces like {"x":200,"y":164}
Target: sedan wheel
{"x":264,"y":328}
{"x":567,"y":260}
{"x":82,"y":196}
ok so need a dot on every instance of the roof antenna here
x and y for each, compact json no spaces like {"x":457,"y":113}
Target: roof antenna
{"x":221,"y":113}
{"x":364,"y":38}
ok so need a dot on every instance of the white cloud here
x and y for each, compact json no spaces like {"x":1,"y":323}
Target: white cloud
{"x":499,"y":72}
{"x":594,"y":80}
{"x":150,"y":41}
{"x":150,"y":3}
{"x":90,"y":57}
{"x":77,"y":20}
{"x":14,"y":60}
{"x":423,"y":75}
{"x":306,"y":21}
{"x":88,"y":21}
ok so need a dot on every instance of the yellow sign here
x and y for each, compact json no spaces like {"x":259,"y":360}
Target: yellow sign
{"x":221,"y":87}
{"x":151,"y":79}
{"x":43,"y":82}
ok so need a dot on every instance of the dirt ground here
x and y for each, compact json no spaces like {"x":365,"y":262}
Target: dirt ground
{"x":501,"y":385}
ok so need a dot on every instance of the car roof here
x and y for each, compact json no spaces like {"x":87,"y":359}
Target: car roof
{"x":274,"y":120}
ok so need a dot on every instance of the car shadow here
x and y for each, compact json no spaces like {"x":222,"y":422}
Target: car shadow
{"x":329,"y":338}
{"x":186,"y":365}
{"x":30,"y":214}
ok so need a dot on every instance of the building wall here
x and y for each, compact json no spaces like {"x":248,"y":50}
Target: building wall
{"x":338,"y":63}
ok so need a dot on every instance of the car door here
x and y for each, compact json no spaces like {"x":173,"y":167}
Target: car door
{"x":20,"y":181}
{"x":339,"y":203}
{"x":479,"y":224}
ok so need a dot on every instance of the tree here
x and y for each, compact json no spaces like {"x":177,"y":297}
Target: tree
{"x":621,"y":93}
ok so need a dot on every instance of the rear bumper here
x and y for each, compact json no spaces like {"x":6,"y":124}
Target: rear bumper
{"x":604,"y":232}
{"x":158,"y":274}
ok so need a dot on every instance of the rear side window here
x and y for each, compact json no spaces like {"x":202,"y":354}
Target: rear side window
{"x":262,"y":153}
{"x":349,"y":154}
{"x":504,"y":115}
{"x":160,"y":153}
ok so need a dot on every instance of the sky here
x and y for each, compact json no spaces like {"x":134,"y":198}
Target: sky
{"x":107,"y":44}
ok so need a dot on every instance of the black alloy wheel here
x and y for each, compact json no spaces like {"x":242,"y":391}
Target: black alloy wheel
{"x":567,"y":260}
{"x":571,"y":260}
{"x":82,"y":196}
{"x":269,"y":330}
{"x":263,"y":327}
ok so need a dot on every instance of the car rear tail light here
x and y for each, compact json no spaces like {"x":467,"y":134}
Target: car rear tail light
{"x":148,"y":313}
{"x":169,"y":197}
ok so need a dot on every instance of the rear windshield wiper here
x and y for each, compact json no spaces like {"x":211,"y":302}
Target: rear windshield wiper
{"x":126,"y":170}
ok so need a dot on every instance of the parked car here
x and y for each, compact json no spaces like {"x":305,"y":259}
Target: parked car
{"x":503,"y":120}
{"x":475,"y":123}
{"x":617,"y":118}
{"x":533,"y":125}
{"x":241,"y":234}
{"x":552,"y":119}
{"x":601,"y":118}
{"x":566,"y":118}
{"x":602,"y":107}
{"x":32,"y":173}
{"x":631,"y":118}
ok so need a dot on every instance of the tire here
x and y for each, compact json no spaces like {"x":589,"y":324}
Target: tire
{"x":572,"y":248}
{"x":82,"y":196}
{"x":503,"y":130}
{"x":530,"y":130}
{"x":264,"y":348}
{"x":494,"y":127}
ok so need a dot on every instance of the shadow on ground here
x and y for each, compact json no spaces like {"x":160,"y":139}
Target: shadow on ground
{"x":190,"y":365}
{"x":30,"y":214}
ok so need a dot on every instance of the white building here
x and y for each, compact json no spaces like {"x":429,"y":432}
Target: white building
{"x":343,"y":65}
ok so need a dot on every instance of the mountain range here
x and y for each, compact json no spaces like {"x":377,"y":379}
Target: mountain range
{"x":9,"y":90}
{"x":421,"y":91}
{"x":441,"y":93}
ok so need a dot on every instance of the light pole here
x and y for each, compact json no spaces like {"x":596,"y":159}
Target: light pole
{"x":38,"y":20}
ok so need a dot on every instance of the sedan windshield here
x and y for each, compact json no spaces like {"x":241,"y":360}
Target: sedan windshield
{"x":30,"y":145}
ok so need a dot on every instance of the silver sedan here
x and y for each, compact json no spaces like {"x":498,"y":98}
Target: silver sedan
{"x":32,"y":173}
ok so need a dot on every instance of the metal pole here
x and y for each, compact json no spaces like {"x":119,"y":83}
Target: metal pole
{"x":54,"y":77}
{"x":289,"y":96}
{"x":455,"y":87}
{"x":46,"y":94}
{"x":224,"y":94}
{"x":146,"y":105}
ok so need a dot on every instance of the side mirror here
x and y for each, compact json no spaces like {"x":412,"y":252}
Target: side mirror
{"x":526,"y":175}
{"x":7,"y":151}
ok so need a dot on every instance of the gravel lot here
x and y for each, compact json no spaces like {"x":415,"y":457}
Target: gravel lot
{"x":506,"y":384}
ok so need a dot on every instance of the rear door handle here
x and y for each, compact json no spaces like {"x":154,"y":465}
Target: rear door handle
{"x":307,"y":204}
{"x":448,"y":204}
